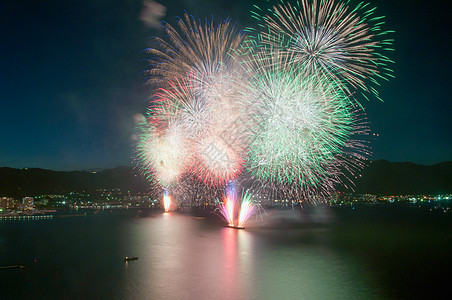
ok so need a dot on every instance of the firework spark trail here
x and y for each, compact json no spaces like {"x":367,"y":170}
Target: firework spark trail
{"x":166,"y":201}
{"x":165,"y":154}
{"x":179,"y":102}
{"x":220,"y":151}
{"x":237,"y":209}
{"x":301,"y":126}
{"x":200,"y":76}
{"x":331,"y":38}
{"x":247,"y":209}
{"x":211,"y":120}
{"x":278,"y":106}
{"x":227,"y":208}
{"x":193,"y":47}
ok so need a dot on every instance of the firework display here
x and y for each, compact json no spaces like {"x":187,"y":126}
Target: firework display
{"x":197,"y":88}
{"x":276,"y":107}
{"x":236,"y":207}
{"x":300,"y":127}
{"x":332,"y":38}
{"x":166,"y":201}
{"x":165,"y":152}
{"x":194,"y":48}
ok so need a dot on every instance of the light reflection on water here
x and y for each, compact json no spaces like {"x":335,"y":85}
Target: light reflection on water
{"x":185,"y":258}
{"x":375,"y":251}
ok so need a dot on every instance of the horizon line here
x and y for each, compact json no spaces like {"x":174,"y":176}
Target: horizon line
{"x":99,"y":169}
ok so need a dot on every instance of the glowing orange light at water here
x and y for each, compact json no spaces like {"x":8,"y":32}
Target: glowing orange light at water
{"x":166,"y":201}
{"x":235,"y":210}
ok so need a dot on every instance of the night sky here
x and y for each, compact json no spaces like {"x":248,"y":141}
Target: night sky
{"x":72,"y":80}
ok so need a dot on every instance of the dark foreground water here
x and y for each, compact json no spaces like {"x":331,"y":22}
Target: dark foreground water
{"x":370,"y":252}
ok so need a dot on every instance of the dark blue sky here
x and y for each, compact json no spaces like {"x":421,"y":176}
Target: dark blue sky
{"x":71,"y":80}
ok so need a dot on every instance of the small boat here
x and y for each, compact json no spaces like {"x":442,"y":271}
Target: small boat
{"x":127,"y":258}
{"x":13,"y":267}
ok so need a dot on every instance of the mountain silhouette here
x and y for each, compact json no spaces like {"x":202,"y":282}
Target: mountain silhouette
{"x":392,"y":178}
{"x":35,"y":181}
{"x":379,"y":177}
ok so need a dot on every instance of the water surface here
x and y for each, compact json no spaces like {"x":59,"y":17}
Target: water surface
{"x":363,"y":253}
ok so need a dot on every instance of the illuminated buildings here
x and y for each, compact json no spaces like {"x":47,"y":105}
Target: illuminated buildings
{"x":27,"y":203}
{"x":6,"y":203}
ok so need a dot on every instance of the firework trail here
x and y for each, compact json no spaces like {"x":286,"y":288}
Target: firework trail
{"x":331,"y":38}
{"x":166,"y":201}
{"x":227,"y":208}
{"x":198,"y":78}
{"x":276,"y":108}
{"x":301,"y":127}
{"x":164,"y":154}
{"x":247,"y":209}
{"x":237,"y":209}
{"x":193,"y":48}
{"x":190,"y":190}
{"x":221,"y":149}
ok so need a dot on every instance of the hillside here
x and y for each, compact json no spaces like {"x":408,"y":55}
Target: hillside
{"x":34,"y":181}
{"x":384,"y":177}
{"x":380,"y":177}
